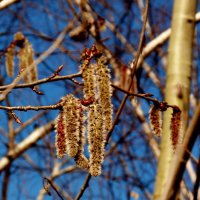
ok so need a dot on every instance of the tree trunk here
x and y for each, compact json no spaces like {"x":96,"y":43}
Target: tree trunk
{"x":177,"y":83}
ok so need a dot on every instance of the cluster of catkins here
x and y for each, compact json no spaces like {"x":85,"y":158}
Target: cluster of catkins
{"x":25,"y":56}
{"x":70,"y":125}
{"x":175,"y":123}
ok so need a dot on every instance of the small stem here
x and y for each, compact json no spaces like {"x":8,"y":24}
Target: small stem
{"x":36,"y":108}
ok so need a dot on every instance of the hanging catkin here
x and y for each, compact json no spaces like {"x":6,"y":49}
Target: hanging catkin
{"x":30,"y":56}
{"x":80,"y":159}
{"x":105,"y":92}
{"x":26,"y":58}
{"x":89,"y":90}
{"x":88,"y":75}
{"x":97,"y":99}
{"x":69,"y":127}
{"x":97,"y":85}
{"x":10,"y":53}
{"x":155,"y":120}
{"x":72,"y":123}
{"x":96,"y":139}
{"x":175,"y":126}
{"x":60,"y":126}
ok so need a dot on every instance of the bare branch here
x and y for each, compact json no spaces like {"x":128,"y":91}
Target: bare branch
{"x":26,"y":144}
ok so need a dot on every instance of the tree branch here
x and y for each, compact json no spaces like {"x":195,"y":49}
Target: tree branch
{"x":5,"y":3}
{"x":25,"y":144}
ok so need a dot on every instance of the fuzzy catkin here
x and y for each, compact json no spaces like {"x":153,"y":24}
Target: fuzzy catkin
{"x":10,"y":53}
{"x":72,"y":123}
{"x":88,"y":75}
{"x":26,"y":58}
{"x":61,"y":147}
{"x":175,"y":127}
{"x":105,"y":92}
{"x":155,"y":120}
{"x":70,"y":138}
{"x":96,"y":140}
{"x":22,"y":55}
{"x":33,"y":71}
{"x":80,"y":159}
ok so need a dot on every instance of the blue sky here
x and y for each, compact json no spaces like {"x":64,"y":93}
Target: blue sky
{"x":41,"y":21}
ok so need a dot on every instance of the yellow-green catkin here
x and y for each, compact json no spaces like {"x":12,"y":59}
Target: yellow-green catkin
{"x":155,"y":120}
{"x":97,"y":85}
{"x":88,"y":75}
{"x":105,"y":92}
{"x":26,"y":58}
{"x":96,"y":139}
{"x":10,"y":53}
{"x":71,"y":109}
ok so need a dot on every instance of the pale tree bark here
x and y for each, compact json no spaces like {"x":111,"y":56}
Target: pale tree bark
{"x":177,"y":82}
{"x":181,"y":157}
{"x":5,"y":3}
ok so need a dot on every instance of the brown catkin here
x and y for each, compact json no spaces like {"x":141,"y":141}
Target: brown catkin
{"x":175,"y":127}
{"x":155,"y":120}
{"x":80,"y":159}
{"x":26,"y":58}
{"x":96,"y":139}
{"x":105,"y":92}
{"x":10,"y":53}
{"x":30,"y":57}
{"x":22,"y":55}
{"x":61,"y":147}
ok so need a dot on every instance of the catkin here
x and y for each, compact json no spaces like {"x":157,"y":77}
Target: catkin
{"x":10,"y":53}
{"x":61,"y":147}
{"x":22,"y":55}
{"x":80,"y":159}
{"x":105,"y":92}
{"x":26,"y":58}
{"x":70,"y":138}
{"x":33,"y":71}
{"x":155,"y":120}
{"x":175,"y":127}
{"x":97,"y":85}
{"x":96,"y":140}
{"x":88,"y":75}
{"x":72,"y":123}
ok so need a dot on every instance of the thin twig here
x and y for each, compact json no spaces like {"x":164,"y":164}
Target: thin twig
{"x":84,"y":186}
{"x":140,"y":46}
{"x":36,"y":108}
{"x":30,"y":121}
{"x":54,"y":187}
{"x":42,"y":81}
{"x":56,"y":73}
